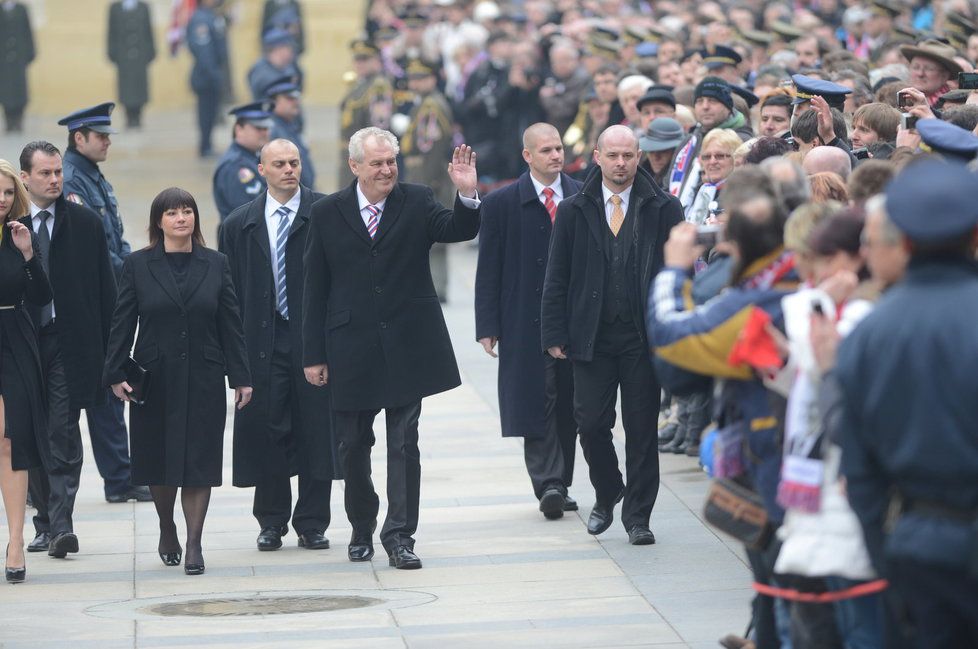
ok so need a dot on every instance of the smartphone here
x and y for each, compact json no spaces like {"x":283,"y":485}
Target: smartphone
{"x":908,"y":121}
{"x":862,"y":153}
{"x":904,"y":100}
{"x":968,"y":80}
{"x":817,"y":308}
{"x":708,"y":235}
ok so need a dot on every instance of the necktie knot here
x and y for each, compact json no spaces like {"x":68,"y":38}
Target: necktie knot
{"x":548,"y":192}
{"x":44,"y":215}
{"x":373,"y":212}
{"x":616,"y":200}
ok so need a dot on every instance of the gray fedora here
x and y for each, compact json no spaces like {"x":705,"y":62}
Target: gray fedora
{"x":663,"y":133}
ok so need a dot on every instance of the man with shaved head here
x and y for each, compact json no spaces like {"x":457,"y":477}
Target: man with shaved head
{"x":607,"y":246}
{"x":827,"y":158}
{"x":535,"y":391}
{"x":287,"y":434}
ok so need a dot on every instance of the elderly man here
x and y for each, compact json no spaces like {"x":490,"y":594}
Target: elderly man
{"x":615,"y":229}
{"x":373,"y":328}
{"x":564,"y":88}
{"x":932,"y":65}
{"x":882,"y":244}
{"x":827,"y":158}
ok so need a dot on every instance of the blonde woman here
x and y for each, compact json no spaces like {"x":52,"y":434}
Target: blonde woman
{"x":716,"y":161}
{"x":22,"y":415}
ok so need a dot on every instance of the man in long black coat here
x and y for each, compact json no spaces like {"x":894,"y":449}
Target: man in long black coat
{"x":287,"y":432}
{"x":16,"y":52}
{"x":131,"y":49}
{"x":73,"y":331}
{"x":373,"y":327}
{"x":607,"y":246}
{"x":536,"y":391}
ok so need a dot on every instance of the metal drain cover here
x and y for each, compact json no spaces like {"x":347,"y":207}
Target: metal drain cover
{"x":245,"y":606}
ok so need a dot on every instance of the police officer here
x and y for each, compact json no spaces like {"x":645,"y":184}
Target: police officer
{"x":286,"y":125}
{"x":278,"y":61}
{"x":370,"y":101}
{"x":287,"y":15}
{"x":84,"y":184}
{"x":207,"y":40}
{"x":236,"y":179}
{"x":131,"y":49}
{"x":910,"y":453}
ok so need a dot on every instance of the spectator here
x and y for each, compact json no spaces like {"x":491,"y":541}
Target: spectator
{"x":868,"y":179}
{"x":775,"y":113}
{"x":767,"y":147}
{"x":630,"y":90}
{"x":716,"y":159}
{"x":875,"y":122}
{"x":564,"y":88}
{"x":827,"y":158}
{"x":829,"y":186}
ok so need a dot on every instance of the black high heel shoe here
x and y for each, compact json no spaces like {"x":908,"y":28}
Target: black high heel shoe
{"x":14,"y":575}
{"x":171,"y":558}
{"x":193,"y":569}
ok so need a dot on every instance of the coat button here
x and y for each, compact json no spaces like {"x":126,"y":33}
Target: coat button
{"x":539,"y":262}
{"x":542,"y":228}
{"x":588,"y":345}
{"x":183,"y":356}
{"x":383,"y":325}
{"x":536,"y":320}
{"x":264,"y":324}
{"x":374,"y":253}
{"x":261,"y":355}
{"x":378,"y":290}
{"x":594,"y":295}
{"x":183,"y":334}
{"x":538,"y":291}
{"x":265,"y":294}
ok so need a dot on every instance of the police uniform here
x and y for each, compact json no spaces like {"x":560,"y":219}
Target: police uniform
{"x":236,"y":178}
{"x":131,"y":49}
{"x":287,"y":15}
{"x":948,"y":140}
{"x":426,"y":147}
{"x":85,"y":185}
{"x":369,"y":103}
{"x":291,"y":130}
{"x":263,"y":73}
{"x":207,"y":40}
{"x":807,"y":87}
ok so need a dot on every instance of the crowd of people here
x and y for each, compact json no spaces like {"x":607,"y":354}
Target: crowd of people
{"x":753,"y":221}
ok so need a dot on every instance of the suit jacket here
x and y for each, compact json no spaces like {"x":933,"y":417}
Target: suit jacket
{"x":83,"y":284}
{"x":370,"y":310}
{"x":308,"y":450}
{"x":513,"y":244}
{"x":574,"y":286}
{"x":188,"y":341}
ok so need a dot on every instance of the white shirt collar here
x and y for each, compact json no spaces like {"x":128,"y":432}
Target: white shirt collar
{"x":625,"y":194}
{"x":556,"y":186}
{"x":272,"y":205}
{"x":35,"y":209}
{"x":364,"y":202}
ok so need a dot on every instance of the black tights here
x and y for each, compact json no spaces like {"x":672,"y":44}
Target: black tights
{"x":194,"y":501}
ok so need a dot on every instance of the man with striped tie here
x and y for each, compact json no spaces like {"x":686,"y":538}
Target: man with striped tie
{"x":289,"y":433}
{"x":373,"y":329}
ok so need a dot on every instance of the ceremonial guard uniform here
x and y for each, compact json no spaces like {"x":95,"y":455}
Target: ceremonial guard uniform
{"x":131,"y":49}
{"x":207,"y":40}
{"x":369,"y":103}
{"x":16,"y":53}
{"x":236,"y":179}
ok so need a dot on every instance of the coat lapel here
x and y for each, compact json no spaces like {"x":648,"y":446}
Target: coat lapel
{"x":197,"y":271}
{"x":160,"y":270}
{"x":350,"y":209}
{"x":259,"y":229}
{"x":302,"y":216}
{"x":60,"y":215}
{"x":392,"y":209}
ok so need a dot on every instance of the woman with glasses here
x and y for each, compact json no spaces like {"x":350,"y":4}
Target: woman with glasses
{"x":716,"y":160}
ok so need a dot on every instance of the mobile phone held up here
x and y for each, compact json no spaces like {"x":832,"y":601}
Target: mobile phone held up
{"x":708,"y":235}
{"x":968,"y":80}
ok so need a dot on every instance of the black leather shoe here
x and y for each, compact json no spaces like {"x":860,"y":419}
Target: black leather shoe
{"x":603,"y":515}
{"x":139,"y":494}
{"x":313,"y":540}
{"x":403,"y":558}
{"x":641,"y":535}
{"x":692,"y":450}
{"x":570,"y":505}
{"x":552,"y":503}
{"x":667,"y":433}
{"x":270,"y":538}
{"x":361,"y":547}
{"x":193,"y":569}
{"x":63,"y":544}
{"x":40,"y":543}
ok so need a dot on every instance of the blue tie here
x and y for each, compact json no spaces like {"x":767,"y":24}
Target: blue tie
{"x":280,"y":246}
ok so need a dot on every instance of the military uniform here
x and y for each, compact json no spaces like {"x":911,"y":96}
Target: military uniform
{"x":16,"y":53}
{"x":207,"y":40}
{"x":131,"y":49}
{"x":369,"y":103}
{"x":236,"y":179}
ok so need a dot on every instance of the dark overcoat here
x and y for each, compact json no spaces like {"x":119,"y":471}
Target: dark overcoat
{"x":83,"y":284}
{"x":574,"y":286}
{"x":309,"y":450}
{"x":131,"y":49}
{"x":25,"y":410}
{"x":16,"y":53}
{"x":188,"y":344}
{"x":513,"y":244}
{"x":370,"y":310}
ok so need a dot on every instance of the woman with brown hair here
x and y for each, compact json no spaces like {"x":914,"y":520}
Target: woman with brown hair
{"x":180,"y":294}
{"x":22,"y":416}
{"x":828,"y":186}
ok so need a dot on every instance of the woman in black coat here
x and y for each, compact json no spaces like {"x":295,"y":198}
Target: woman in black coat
{"x":181,"y":295}
{"x":22,"y":418}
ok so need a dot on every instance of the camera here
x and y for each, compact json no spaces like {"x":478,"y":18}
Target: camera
{"x":904,"y":100}
{"x":707,"y":235}
{"x":968,"y":80}
{"x":862,"y":153}
{"x":908,"y":121}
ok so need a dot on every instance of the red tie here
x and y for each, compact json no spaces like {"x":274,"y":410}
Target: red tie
{"x":549,"y":203}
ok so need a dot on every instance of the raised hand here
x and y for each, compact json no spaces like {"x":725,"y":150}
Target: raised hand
{"x":462,"y":171}
{"x":826,"y":130}
{"x":21,"y":236}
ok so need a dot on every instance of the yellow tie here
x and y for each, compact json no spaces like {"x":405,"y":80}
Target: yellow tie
{"x":617,"y":216}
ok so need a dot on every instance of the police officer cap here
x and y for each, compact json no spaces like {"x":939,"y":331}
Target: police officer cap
{"x":661,"y":94}
{"x":948,"y":139}
{"x":720,"y":56}
{"x":283,"y":86}
{"x":808,"y":87}
{"x":414,"y":17}
{"x":646,"y":50}
{"x":932,"y":201}
{"x":746,"y":95}
{"x":786,"y":31}
{"x":419,"y":69}
{"x":275,"y":37}
{"x":257,"y":114}
{"x":363,"y":48}
{"x":97,"y":118}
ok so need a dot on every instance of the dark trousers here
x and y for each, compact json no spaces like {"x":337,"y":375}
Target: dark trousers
{"x":134,"y":116}
{"x":620,"y":360}
{"x":14,"y":118}
{"x":942,"y":604}
{"x":54,"y":488}
{"x":763,"y":615}
{"x":208,"y":101}
{"x":273,"y":494}
{"x":110,"y":443}
{"x":354,"y":429}
{"x":550,"y":458}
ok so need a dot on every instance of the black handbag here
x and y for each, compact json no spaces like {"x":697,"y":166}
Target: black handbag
{"x":738,"y":511}
{"x":137,"y":377}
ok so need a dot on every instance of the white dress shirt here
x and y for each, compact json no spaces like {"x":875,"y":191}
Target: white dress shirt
{"x":609,"y":207}
{"x":36,"y":224}
{"x":271,"y":224}
{"x":556,"y":187}
{"x":471,"y":203}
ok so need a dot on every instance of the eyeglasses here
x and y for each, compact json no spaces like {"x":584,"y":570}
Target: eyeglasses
{"x":715,"y":156}
{"x":925,"y":69}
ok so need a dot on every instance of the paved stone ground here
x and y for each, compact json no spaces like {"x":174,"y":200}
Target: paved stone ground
{"x":496,"y":573}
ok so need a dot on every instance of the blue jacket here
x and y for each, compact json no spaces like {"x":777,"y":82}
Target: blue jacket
{"x":236,"y":179}
{"x":207,"y":40}
{"x":84,"y":184}
{"x":910,"y":421}
{"x":292,"y":131}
